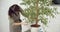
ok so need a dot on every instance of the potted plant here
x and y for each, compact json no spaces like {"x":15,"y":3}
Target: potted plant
{"x":38,"y":10}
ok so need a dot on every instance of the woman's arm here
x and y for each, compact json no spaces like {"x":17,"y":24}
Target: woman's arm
{"x":22,"y":23}
{"x":16,"y":23}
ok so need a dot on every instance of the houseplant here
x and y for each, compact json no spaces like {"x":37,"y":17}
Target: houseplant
{"x":38,"y":10}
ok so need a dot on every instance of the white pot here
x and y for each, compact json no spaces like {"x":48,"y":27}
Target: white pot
{"x":34,"y":29}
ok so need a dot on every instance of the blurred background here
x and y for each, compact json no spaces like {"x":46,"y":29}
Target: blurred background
{"x":53,"y":26}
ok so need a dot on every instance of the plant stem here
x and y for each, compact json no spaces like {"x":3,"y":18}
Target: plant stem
{"x":37,"y":12}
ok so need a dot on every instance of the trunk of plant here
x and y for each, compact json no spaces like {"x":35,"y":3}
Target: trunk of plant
{"x":35,"y":27}
{"x":36,"y":12}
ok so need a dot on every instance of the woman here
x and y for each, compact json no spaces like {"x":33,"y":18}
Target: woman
{"x":14,"y":17}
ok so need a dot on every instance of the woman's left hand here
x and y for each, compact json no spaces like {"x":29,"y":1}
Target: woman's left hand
{"x":23,"y":23}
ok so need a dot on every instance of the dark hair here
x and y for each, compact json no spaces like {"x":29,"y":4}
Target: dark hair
{"x":14,"y":8}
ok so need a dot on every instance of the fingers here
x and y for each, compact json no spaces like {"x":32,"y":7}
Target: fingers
{"x":23,"y":23}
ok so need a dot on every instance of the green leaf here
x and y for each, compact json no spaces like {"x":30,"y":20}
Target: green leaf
{"x":44,"y":11}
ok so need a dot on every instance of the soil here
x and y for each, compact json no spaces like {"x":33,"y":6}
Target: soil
{"x":35,"y":25}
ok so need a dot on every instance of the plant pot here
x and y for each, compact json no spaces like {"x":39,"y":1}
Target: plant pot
{"x":35,"y":28}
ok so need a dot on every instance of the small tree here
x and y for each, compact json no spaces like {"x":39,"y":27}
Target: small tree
{"x":38,"y":10}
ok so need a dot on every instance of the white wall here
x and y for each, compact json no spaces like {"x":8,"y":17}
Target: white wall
{"x":53,"y":26}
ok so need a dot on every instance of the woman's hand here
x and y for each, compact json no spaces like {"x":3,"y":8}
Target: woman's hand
{"x":23,"y":23}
